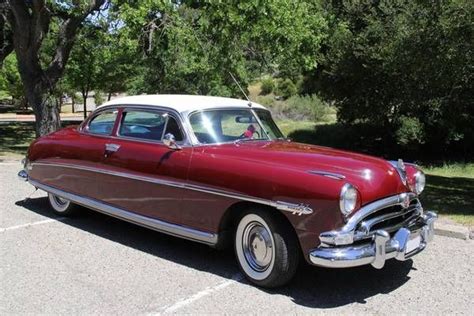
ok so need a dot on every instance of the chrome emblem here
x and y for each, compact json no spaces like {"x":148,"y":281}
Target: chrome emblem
{"x":405,"y":201}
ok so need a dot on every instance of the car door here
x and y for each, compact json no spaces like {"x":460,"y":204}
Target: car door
{"x":142,"y":175}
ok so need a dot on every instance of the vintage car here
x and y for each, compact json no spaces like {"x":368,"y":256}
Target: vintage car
{"x":219,"y":171}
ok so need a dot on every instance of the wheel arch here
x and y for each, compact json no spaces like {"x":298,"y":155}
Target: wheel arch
{"x":229,"y":221}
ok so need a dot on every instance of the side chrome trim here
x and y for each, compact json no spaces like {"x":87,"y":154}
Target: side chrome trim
{"x":155,"y":224}
{"x":332,"y":175}
{"x":296,"y":209}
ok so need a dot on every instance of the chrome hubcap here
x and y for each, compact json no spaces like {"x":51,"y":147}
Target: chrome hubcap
{"x":257,"y":246}
{"x":60,"y":201}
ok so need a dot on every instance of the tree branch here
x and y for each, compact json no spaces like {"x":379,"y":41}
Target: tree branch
{"x":6,"y":34}
{"x":66,"y":37}
{"x":40,"y":22}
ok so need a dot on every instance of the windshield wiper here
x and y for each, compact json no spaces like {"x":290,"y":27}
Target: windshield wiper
{"x":246,"y":139}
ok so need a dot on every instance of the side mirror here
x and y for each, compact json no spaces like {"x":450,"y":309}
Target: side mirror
{"x":170,"y":142}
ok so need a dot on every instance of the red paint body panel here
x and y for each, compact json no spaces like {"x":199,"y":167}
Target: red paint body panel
{"x":270,"y":170}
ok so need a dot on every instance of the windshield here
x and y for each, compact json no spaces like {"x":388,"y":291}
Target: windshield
{"x":222,"y":126}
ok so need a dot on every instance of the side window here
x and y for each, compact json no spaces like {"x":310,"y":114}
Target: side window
{"x":173,"y":128}
{"x":143,"y":124}
{"x":103,"y":123}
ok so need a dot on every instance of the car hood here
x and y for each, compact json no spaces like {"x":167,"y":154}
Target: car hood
{"x":374,"y":177}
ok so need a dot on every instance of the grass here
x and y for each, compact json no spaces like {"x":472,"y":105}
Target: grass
{"x":449,"y":190}
{"x":15,"y":139}
{"x":288,"y":126}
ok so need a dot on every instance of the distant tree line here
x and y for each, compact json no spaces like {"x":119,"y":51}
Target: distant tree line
{"x":402,"y":68}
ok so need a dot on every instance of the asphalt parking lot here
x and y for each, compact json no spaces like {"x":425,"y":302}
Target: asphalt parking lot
{"x":94,"y":264}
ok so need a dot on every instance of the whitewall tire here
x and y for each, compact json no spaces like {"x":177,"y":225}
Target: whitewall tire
{"x":60,"y":205}
{"x":266,"y":248}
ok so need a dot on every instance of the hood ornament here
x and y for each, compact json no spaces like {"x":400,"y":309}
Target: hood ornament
{"x":400,"y":167}
{"x":401,"y":164}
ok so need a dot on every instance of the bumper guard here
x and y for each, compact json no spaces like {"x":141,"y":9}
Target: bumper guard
{"x":379,"y":250}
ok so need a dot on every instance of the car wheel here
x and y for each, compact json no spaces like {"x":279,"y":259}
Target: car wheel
{"x":266,"y":248}
{"x":61,"y":206}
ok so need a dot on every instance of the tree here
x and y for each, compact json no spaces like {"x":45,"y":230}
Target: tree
{"x":31,"y":22}
{"x":403,"y":67}
{"x":193,"y":46}
{"x":83,"y":70}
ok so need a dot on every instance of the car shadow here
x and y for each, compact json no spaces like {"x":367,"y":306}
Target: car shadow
{"x":312,"y":286}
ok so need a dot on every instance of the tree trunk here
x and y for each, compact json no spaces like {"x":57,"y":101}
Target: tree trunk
{"x":60,"y":103}
{"x":46,"y":112}
{"x":73,"y":103}
{"x":84,"y":97}
{"x":109,"y":96}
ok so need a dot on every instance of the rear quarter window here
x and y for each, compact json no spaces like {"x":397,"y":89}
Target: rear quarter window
{"x":103,"y":123}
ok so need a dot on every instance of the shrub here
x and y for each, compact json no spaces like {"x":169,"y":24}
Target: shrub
{"x":98,"y":98}
{"x":309,"y":107}
{"x":266,"y":100}
{"x":286,"y":88}
{"x":267,"y":86}
{"x":410,"y":131}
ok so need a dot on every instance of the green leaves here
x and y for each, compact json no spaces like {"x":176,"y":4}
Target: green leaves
{"x":404,"y":66}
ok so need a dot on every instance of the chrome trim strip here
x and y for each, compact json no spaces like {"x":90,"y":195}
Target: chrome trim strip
{"x":155,"y":224}
{"x":298,"y":209}
{"x":332,"y":175}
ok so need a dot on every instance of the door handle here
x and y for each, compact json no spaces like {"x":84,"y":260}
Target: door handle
{"x":110,"y":148}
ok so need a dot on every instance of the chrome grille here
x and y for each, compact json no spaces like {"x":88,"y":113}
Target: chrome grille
{"x":390,"y":219}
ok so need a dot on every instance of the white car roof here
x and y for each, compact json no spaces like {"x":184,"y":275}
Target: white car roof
{"x":182,"y":103}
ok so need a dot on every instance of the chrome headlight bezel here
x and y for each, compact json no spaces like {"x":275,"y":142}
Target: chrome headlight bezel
{"x":419,"y":182}
{"x":348,"y":199}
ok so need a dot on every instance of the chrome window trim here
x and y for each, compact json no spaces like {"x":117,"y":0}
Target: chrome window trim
{"x":187,"y":142}
{"x":84,"y":126}
{"x":151,"y":110}
{"x":155,"y":224}
{"x":255,"y":110}
{"x":294,"y":208}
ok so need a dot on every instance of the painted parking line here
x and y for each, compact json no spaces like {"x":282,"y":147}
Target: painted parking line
{"x":197,"y":296}
{"x":46,"y":221}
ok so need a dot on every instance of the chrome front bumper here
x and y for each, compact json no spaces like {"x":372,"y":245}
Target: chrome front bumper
{"x":380,"y":249}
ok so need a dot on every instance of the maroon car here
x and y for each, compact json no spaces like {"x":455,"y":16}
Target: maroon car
{"x":219,"y":171}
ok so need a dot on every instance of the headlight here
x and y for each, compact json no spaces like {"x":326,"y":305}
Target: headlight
{"x":348,"y":199}
{"x":420,"y":181}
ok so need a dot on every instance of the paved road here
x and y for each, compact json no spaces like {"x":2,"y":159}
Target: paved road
{"x":97,"y":264}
